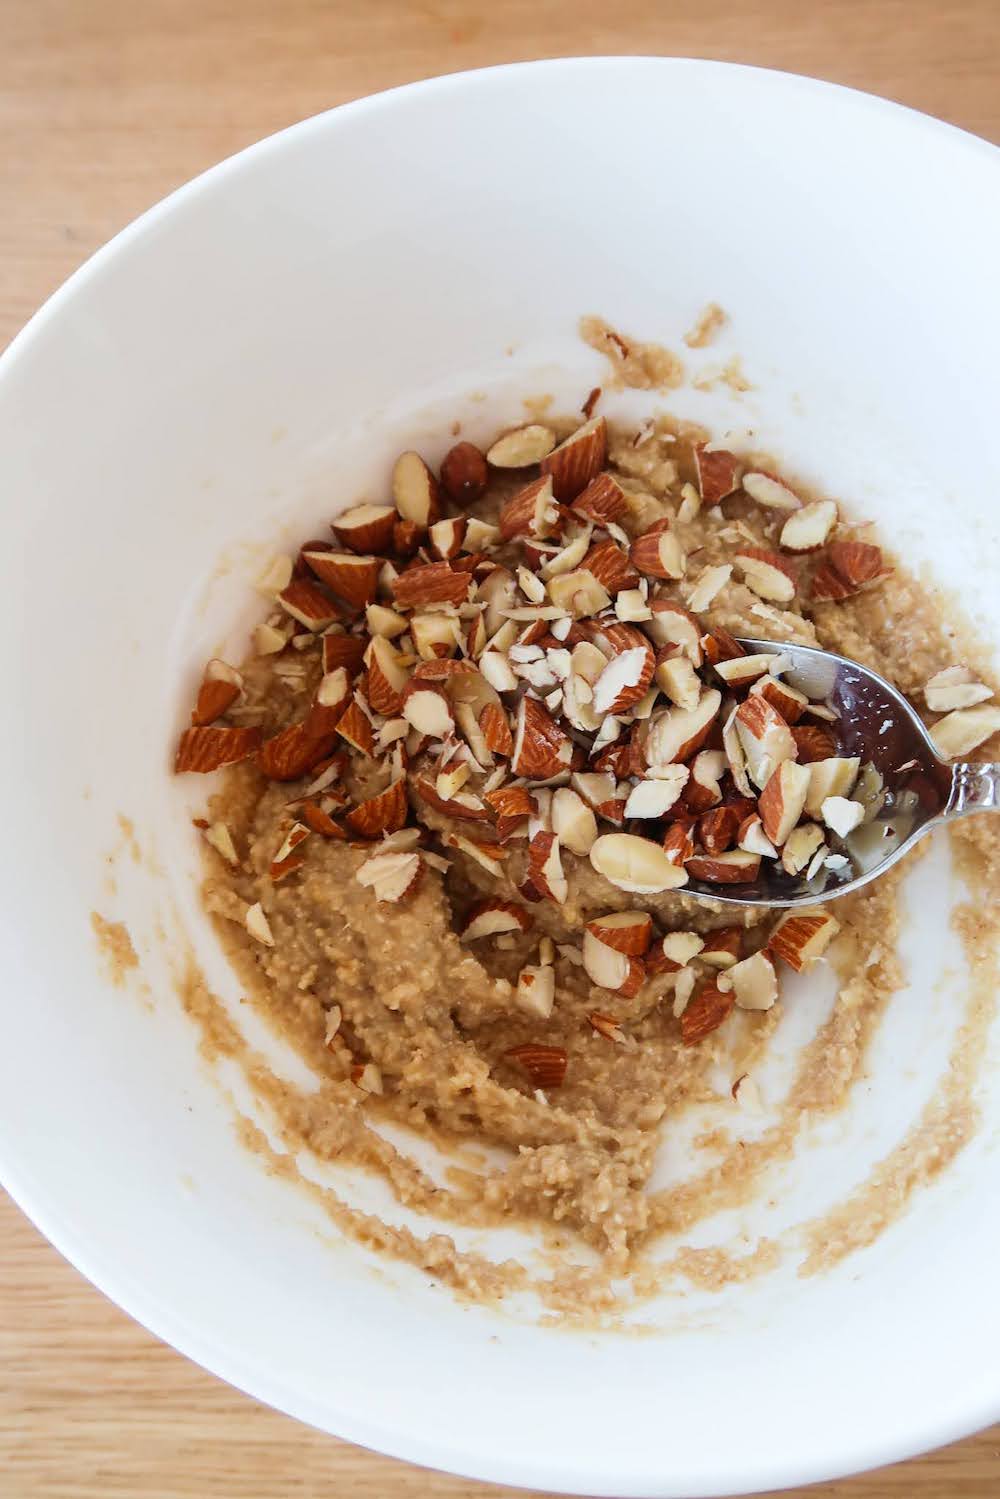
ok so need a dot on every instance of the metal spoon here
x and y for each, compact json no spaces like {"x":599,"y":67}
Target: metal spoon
{"x":909,"y":788}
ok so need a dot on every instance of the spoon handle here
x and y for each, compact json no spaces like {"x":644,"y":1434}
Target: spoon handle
{"x":974,"y":788}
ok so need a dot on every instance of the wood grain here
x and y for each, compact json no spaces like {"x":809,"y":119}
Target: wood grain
{"x":106,"y":105}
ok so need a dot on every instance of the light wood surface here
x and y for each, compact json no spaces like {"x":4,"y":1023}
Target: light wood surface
{"x":106,"y":105}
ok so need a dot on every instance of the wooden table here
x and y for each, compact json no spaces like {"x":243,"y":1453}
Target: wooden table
{"x":105,"y":105}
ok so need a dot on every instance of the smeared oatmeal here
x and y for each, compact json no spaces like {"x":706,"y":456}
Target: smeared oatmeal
{"x":115,"y":945}
{"x":489,"y":733}
{"x":709,"y":321}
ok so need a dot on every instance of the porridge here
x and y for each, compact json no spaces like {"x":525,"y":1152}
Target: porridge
{"x":487,"y":735}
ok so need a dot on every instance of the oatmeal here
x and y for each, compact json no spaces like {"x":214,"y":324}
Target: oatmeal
{"x":486,"y":738}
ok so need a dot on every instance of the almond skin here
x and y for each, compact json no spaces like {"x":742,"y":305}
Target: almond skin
{"x":717,"y":473}
{"x":545,"y":1065}
{"x":207,"y":748}
{"x":384,"y":813}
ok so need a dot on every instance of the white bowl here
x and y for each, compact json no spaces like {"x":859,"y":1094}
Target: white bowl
{"x":245,"y":360}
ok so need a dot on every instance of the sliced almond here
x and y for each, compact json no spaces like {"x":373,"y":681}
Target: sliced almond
{"x":754,"y":982}
{"x":676,"y":733}
{"x":679,"y":680}
{"x":415,"y":491}
{"x":258,"y":926}
{"x":218,"y":836}
{"x":635,"y":864}
{"x":722,"y":947}
{"x":366,"y":528}
{"x":209,"y":747}
{"x":390,"y":876}
{"x":832,"y":776}
{"x":523,"y":447}
{"x":717,"y":472}
{"x":963,"y":731}
{"x":783,"y":800}
{"x":655,"y":798}
{"x":954,"y":687}
{"x":706,"y":587}
{"x":657,"y":553}
{"x":488,"y":918}
{"x":767,"y":574}
{"x":611,"y":969}
{"x":809,"y":528}
{"x":737,"y":867}
{"x":673,"y":625}
{"x":740,"y":671}
{"x":628,"y":932}
{"x":800,"y":938}
{"x":573,"y":822}
{"x":801,"y":845}
{"x":578,"y":460}
{"x":765,"y":738}
{"x":764,"y":489}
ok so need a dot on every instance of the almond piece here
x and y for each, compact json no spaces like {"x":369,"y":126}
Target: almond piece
{"x":828,"y":586}
{"x":814,"y":742}
{"x":573,"y":822}
{"x":295,"y":751}
{"x":610,"y":566}
{"x":541,"y":748}
{"x":737,"y":867}
{"x":832,"y":776}
{"x":464,"y":474}
{"x":488,"y":918}
{"x":673,"y":952}
{"x":331,"y":698}
{"x":599,"y":791}
{"x":258,"y":926}
{"x":578,"y":593}
{"x":626,"y":677}
{"x":705,"y":1013}
{"x":529,"y":512}
{"x":679,"y":680}
{"x":841,"y":815}
{"x":523,"y":447}
{"x":676,"y":733}
{"x":657,"y":553}
{"x":800,"y":846}
{"x":366,"y":528}
{"x":545,"y":1065}
{"x":276,"y":577}
{"x":206,"y":748}
{"x":611,"y":969}
{"x":808,"y":529}
{"x":752,"y":838}
{"x":771,"y":492}
{"x":495,"y":729}
{"x":445,"y":537}
{"x":406,"y":535}
{"x":723,"y":947}
{"x":954,"y":687}
{"x":635,"y":864}
{"x":767,"y":574}
{"x":381,"y":620}
{"x":320,"y":821}
{"x":430,"y":583}
{"x":718,"y":829}
{"x":740,"y":671}
{"x":427,"y":709}
{"x":754,"y":982}
{"x":384,"y":813}
{"x":848,"y":566}
{"x":284,"y":861}
{"x":343,"y":650}
{"x":718,"y":645}
{"x":415,"y":491}
{"x":268,"y":640}
{"x":545,"y":871}
{"x":802,"y":936}
{"x":390,"y":876}
{"x":306,"y":602}
{"x":783,"y":800}
{"x":355,"y":727}
{"x":511,"y":806}
{"x":602,"y":501}
{"x":578,"y":460}
{"x":387,"y":678}
{"x":628,"y":932}
{"x":536,"y":991}
{"x":353,"y":577}
{"x":717,"y":473}
{"x":218,"y":836}
{"x":765,"y":738}
{"x":220,"y":687}
{"x":435,"y":636}
{"x":789,"y":701}
{"x":702,"y":790}
{"x":673,"y":625}
{"x":609,"y":1027}
{"x":963,"y":731}
{"x":654,"y":798}
{"x":707,"y":586}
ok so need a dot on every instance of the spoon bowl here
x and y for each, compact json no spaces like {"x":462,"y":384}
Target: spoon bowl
{"x":907,"y":788}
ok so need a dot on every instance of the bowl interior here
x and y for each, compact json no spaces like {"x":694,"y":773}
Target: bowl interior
{"x":245,"y":362}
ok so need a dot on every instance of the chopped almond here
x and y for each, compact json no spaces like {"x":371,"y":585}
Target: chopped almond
{"x":545,"y":871}
{"x":657,"y":553}
{"x":737,"y":867}
{"x":705,"y":1013}
{"x":673,"y":625}
{"x":707,"y":586}
{"x":676,"y":733}
{"x":523,"y":447}
{"x":814,"y":742}
{"x":309,"y":604}
{"x":611,"y":567}
{"x":354,"y":578}
{"x":740,"y":671}
{"x":764,"y":489}
{"x":628,"y":932}
{"x":841,"y":815}
{"x":955,"y":687}
{"x":800,"y":847}
{"x":366,"y":528}
{"x":380,"y":814}
{"x":718,"y":829}
{"x":765,"y":738}
{"x":722,"y":947}
{"x":573,"y":822}
{"x":754,"y":982}
{"x":809,"y":528}
{"x":767,"y":574}
{"x":541,"y":748}
{"x":488,"y":918}
{"x":430,"y":583}
{"x":343,"y":650}
{"x":783,"y":800}
{"x":679,"y":680}
{"x":578,"y":460}
{"x":536,"y":991}
{"x":387,"y":677}
{"x":717,"y":473}
{"x":390,"y":876}
{"x":800,"y":938}
{"x":602,"y":501}
{"x":427,"y":708}
{"x":965,"y":730}
{"x":635,"y":864}
{"x":611,"y":969}
{"x":703,"y":790}
{"x":220,"y":688}
{"x":258,"y":926}
{"x":832,"y":776}
{"x":789,"y":701}
{"x":415,"y":491}
{"x":208,"y":748}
